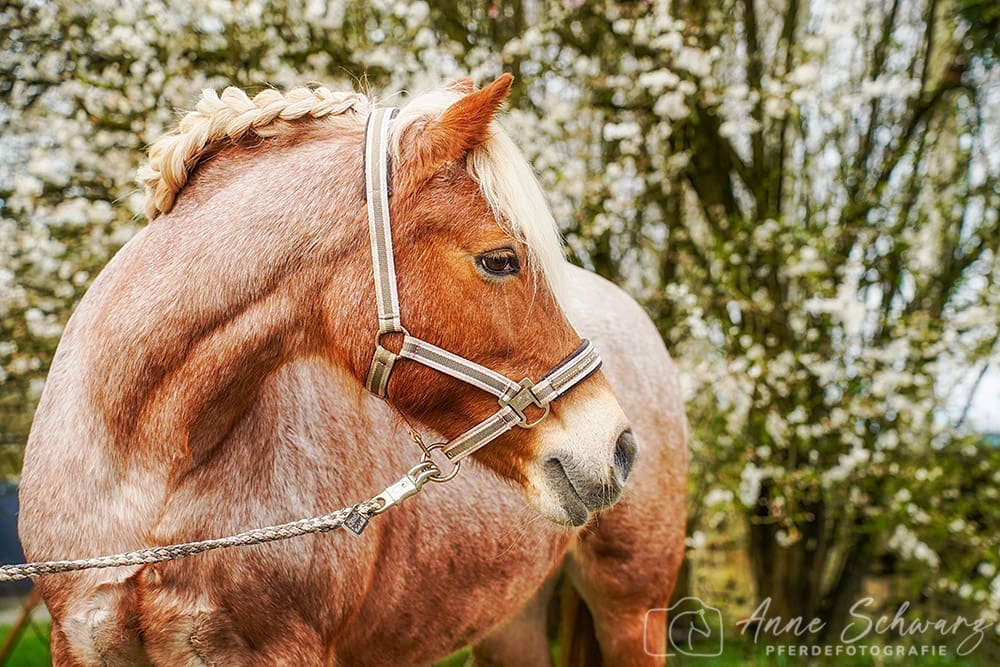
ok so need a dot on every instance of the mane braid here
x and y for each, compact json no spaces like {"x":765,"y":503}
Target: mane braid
{"x":220,"y":120}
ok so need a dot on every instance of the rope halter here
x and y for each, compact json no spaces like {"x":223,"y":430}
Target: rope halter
{"x":514,"y":397}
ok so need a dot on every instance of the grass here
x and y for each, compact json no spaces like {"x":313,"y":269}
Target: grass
{"x":33,"y":647}
{"x":455,"y":660}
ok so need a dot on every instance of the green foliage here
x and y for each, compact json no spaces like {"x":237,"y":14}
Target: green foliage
{"x":32,"y":649}
{"x":983,"y":19}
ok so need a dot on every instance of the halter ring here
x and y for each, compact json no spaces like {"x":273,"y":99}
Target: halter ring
{"x":438,"y":476}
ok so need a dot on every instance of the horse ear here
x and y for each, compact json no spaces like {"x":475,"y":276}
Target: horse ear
{"x":460,"y":128}
{"x":463,"y":85}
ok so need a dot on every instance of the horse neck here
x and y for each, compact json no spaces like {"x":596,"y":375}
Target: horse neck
{"x":214,"y":297}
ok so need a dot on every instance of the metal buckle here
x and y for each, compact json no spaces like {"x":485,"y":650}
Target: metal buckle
{"x":381,"y":334}
{"x":438,"y":476}
{"x":522,"y":399}
{"x":408,"y":485}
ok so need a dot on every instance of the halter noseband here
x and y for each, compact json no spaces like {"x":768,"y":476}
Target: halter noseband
{"x":513,"y":397}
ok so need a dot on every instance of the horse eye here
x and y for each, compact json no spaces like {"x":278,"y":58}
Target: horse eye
{"x":499,"y":263}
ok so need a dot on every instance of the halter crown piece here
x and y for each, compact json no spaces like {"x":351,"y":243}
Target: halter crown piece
{"x":513,"y":397}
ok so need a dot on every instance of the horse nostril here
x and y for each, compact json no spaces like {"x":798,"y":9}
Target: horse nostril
{"x":625,"y":451}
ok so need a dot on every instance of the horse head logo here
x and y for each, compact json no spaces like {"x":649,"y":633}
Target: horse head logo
{"x":693,"y":628}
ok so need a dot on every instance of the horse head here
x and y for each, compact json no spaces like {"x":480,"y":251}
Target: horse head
{"x":478,"y":260}
{"x":477,"y":263}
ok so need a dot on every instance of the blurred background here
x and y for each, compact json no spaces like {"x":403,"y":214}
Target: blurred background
{"x":802,"y":193}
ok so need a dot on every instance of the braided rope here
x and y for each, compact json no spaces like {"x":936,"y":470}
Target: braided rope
{"x":227,"y":118}
{"x":157,"y":554}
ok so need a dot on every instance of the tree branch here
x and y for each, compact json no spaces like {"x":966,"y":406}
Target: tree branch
{"x":754,"y":79}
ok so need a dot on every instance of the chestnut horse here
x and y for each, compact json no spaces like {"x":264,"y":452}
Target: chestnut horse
{"x":213,"y":380}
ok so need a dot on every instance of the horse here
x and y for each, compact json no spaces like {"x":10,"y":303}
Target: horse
{"x":215,"y":378}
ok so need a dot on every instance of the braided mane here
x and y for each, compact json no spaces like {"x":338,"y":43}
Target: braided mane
{"x":219,"y":120}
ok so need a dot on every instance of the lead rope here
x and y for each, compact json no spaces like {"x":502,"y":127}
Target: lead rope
{"x":158,"y":554}
{"x":354,"y":518}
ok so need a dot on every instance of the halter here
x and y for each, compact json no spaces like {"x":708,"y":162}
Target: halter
{"x":514,"y":397}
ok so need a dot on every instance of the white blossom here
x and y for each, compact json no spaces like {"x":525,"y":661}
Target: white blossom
{"x":906,"y":543}
{"x":693,"y":60}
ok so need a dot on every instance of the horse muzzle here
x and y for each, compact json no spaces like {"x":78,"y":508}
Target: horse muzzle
{"x":574,"y":488}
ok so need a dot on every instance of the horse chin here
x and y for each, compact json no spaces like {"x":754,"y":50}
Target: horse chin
{"x":568,"y":496}
{"x":564,"y":511}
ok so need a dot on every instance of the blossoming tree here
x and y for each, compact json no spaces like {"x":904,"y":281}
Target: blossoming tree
{"x":807,"y":195}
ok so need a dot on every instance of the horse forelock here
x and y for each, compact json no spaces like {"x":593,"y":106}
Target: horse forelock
{"x":507,"y":182}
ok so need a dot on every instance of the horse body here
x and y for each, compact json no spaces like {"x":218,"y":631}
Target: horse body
{"x":237,"y":414}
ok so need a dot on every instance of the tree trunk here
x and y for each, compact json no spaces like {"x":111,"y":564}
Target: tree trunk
{"x":792,"y":576}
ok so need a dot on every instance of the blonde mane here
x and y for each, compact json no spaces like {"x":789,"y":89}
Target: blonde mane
{"x":218,"y":120}
{"x":506,"y":179}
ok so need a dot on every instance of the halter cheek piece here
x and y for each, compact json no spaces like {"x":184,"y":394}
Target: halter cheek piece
{"x":513,"y":397}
